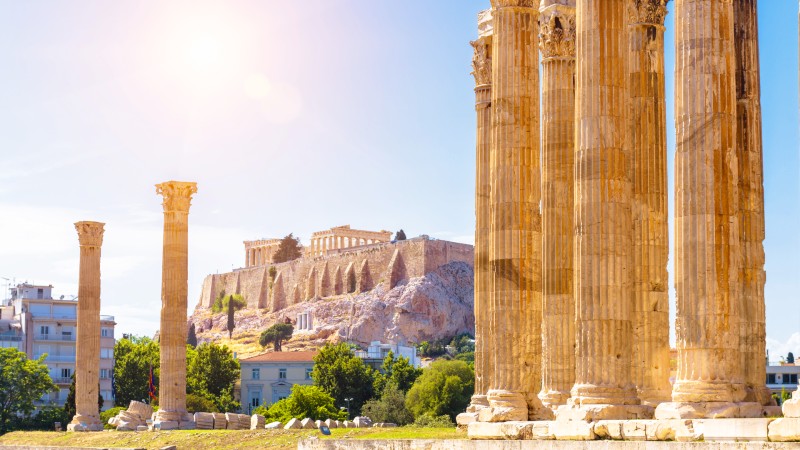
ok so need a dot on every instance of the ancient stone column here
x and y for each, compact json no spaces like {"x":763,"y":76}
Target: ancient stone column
{"x":603,"y":224}
{"x":87,"y":345}
{"x":557,"y":45}
{"x":515,"y":231}
{"x":482,"y":71}
{"x":751,"y":201}
{"x":709,"y":381}
{"x":648,"y":138}
{"x":172,"y":384}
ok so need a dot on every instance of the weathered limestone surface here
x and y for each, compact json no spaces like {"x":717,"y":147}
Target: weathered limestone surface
{"x":709,"y":379}
{"x":482,"y":71}
{"x":515,"y":234}
{"x":557,"y":45}
{"x":603,"y":250}
{"x":172,"y":384}
{"x":751,"y":201}
{"x":648,"y":142}
{"x":87,"y":345}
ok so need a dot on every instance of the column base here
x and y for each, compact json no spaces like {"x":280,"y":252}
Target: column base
{"x":504,"y":406}
{"x":705,"y":392}
{"x":172,"y":420}
{"x":85,"y":423}
{"x":760,"y":394}
{"x":595,"y":412}
{"x":709,"y":410}
{"x":553,"y":399}
{"x":477,"y":403}
{"x":654,"y":397}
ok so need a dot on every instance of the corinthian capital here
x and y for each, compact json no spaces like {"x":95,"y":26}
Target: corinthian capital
{"x":177,"y":195}
{"x":651,"y":12}
{"x":481,"y":62}
{"x":518,"y":3}
{"x":90,"y":234}
{"x":557,"y":32}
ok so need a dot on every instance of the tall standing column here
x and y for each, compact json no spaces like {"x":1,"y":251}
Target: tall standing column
{"x":648,"y":137}
{"x":484,"y":341}
{"x":603,"y":224}
{"x":753,"y":333}
{"x":516,"y":227}
{"x":174,"y":286}
{"x":87,"y":345}
{"x":557,"y":44}
{"x":709,"y":381}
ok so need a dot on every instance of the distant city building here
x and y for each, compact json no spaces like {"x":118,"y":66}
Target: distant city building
{"x":269,"y":377}
{"x":782,"y":378}
{"x":35,"y":323}
{"x":377,"y":352}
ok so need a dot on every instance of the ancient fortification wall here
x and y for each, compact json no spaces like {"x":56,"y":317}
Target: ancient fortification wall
{"x":338,"y":273}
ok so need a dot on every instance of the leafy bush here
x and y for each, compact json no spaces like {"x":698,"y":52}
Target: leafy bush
{"x":109,"y":413}
{"x":431,"y":421}
{"x":221,"y":303}
{"x":198,"y":403}
{"x":390,"y":408}
{"x":304,"y":401}
{"x":443,"y":388}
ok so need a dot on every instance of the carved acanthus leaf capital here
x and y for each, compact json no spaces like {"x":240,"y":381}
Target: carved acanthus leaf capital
{"x":481,"y":62}
{"x":177,"y":195}
{"x":650,"y":12}
{"x":90,"y":234}
{"x":557,"y":33}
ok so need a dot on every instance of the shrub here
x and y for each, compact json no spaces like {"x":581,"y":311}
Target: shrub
{"x":431,"y":421}
{"x":197,"y":403}
{"x":109,"y":413}
{"x":221,"y":303}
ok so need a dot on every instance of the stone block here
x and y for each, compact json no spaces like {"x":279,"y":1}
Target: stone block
{"x":594,"y":413}
{"x":636,"y":430}
{"x":187,"y":425}
{"x":257,"y":422}
{"x":732,"y":430}
{"x":308,"y":424}
{"x":466,"y":418}
{"x":541,"y":430}
{"x":572,"y":430}
{"x":791,"y":407}
{"x":273,"y":425}
{"x":347,"y":424}
{"x":773,"y":412}
{"x":668,"y":430}
{"x":500,"y":430}
{"x":165,"y":425}
{"x":786,"y":429}
{"x":504,"y":407}
{"x":608,"y":429}
{"x":220,"y":422}
{"x":142,"y":428}
{"x":332,"y":423}
{"x":362,"y":422}
{"x":293,"y":424}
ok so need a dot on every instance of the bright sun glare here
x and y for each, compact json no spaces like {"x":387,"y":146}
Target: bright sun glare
{"x":204,"y":52}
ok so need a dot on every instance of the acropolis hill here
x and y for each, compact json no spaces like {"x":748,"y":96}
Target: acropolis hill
{"x":401,"y":292}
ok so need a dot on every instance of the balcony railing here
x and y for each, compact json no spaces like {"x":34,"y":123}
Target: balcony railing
{"x":8,"y":337}
{"x":54,"y":337}
{"x":57,"y":358}
{"x":54,"y":316}
{"x":62,"y":380}
{"x":106,"y":318}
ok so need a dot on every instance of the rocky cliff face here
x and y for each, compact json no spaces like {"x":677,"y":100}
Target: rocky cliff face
{"x":436,"y":305}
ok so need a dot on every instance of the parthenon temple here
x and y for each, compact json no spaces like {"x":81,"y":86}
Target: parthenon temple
{"x":571,"y":240}
{"x":260,"y":252}
{"x":343,"y":237}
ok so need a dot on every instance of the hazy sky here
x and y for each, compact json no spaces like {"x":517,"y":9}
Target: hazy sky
{"x":292,"y":117}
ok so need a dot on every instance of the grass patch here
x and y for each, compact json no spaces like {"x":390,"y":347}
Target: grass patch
{"x":217,"y":439}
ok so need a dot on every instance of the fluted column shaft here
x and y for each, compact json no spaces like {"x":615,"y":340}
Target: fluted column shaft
{"x":603,"y":225}
{"x":174,"y":287}
{"x":557,"y":44}
{"x":515,"y":234}
{"x":648,"y":137}
{"x":87,"y":345}
{"x":706,"y":232}
{"x":482,"y":70}
{"x":751,"y":200}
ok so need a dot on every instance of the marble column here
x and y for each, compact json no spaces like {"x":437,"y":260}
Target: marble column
{"x":87,"y":345}
{"x":172,"y":384}
{"x":603,"y":224}
{"x":710,"y":380}
{"x":648,"y":137}
{"x":515,"y":234}
{"x":753,"y":333}
{"x":557,"y":45}
{"x":482,"y":71}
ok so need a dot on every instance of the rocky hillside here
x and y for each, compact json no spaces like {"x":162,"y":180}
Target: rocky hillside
{"x":434,"y":306}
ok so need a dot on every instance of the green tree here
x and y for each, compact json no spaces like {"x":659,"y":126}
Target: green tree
{"x":443,"y":388}
{"x":304,"y":401}
{"x":22,"y":381}
{"x":289,"y":249}
{"x":398,"y":371}
{"x":231,"y":318}
{"x":211,"y":373}
{"x":790,"y":358}
{"x":400,"y":235}
{"x":191,"y":336}
{"x":340,"y":373}
{"x":390,"y":408}
{"x":133,"y":358}
{"x":275,"y":335}
{"x":197,"y":403}
{"x":69,"y":405}
{"x":221,"y":302}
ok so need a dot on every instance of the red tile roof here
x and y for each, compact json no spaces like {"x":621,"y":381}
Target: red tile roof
{"x":307,"y":356}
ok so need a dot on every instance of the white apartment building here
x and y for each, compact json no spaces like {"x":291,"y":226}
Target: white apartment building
{"x":269,"y":377}
{"x":39,"y":324}
{"x":377,"y":352}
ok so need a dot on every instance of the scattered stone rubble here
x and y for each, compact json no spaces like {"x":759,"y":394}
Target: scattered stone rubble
{"x":135,"y":416}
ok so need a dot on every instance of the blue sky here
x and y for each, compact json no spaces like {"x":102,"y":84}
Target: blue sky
{"x":292,"y":117}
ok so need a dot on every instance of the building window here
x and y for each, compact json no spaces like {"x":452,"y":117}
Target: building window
{"x":790,"y":378}
{"x":256,"y":375}
{"x":106,"y":332}
{"x":107,"y":353}
{"x":44,"y":330}
{"x":770,"y":378}
{"x":66,"y":373}
{"x":40,"y":293}
{"x":308,"y":374}
{"x":105,"y":373}
{"x":282,"y":374}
